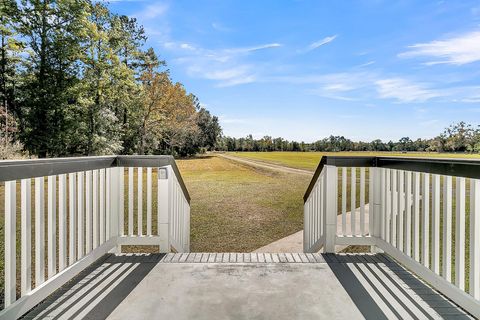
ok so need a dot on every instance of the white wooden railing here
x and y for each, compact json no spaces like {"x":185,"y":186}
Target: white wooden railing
{"x":425,"y":213}
{"x":77,"y":210}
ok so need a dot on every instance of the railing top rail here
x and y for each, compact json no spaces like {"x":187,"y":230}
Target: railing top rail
{"x":23,"y":169}
{"x":468,"y":168}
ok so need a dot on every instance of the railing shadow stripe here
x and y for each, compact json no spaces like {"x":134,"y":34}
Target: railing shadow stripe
{"x":58,"y":296}
{"x":377,"y":290}
{"x":402,"y":290}
{"x":433,"y":304}
{"x":88,"y":302}
{"x":84,"y":289}
{"x":357,"y":292}
{"x":106,"y":306}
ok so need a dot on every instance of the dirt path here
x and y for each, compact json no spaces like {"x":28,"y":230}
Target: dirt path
{"x":265,"y":165}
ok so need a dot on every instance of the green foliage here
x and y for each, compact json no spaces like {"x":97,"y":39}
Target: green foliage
{"x":76,"y":81}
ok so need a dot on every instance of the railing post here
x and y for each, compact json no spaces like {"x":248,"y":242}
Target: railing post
{"x":330,"y":198}
{"x":164,"y":204}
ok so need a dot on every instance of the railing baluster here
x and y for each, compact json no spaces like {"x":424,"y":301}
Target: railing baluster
{"x":475,"y":238}
{"x":321,"y":208}
{"x":382,"y":219}
{"x":10,"y":242}
{"x":309,"y":223}
{"x":39,"y":231}
{"x":80,"y":213}
{"x":353,"y":200}
{"x":149,"y":201}
{"x":393,"y":228}
{"x":370,"y":201}
{"x":26,"y":246}
{"x":315,"y":212}
{"x":130,"y":201}
{"x":426,"y":220}
{"x":140,"y":200}
{"x":408,"y":213}
{"x":177,"y":210}
{"x":72,"y":219}
{"x":362,"y":201}
{"x":401,"y":208}
{"x":95,"y":223}
{"x":306,"y":225}
{"x":388,"y":207}
{"x":436,"y":223}
{"x":88,"y":211}
{"x":52,"y":227}
{"x":318,"y":209}
{"x":447,"y":228}
{"x":344,"y":201}
{"x":460,"y":233}
{"x":416,"y":216}
{"x":314,"y":215}
{"x":108,"y":208}
{"x":121,"y":205}
{"x":62,"y":222}
{"x":102,"y":206}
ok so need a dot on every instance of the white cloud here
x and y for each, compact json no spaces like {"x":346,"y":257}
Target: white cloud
{"x":368,"y":86}
{"x":220,"y":27}
{"x":187,"y":46}
{"x":231,"y":76}
{"x":366,"y":64}
{"x":403,"y":90}
{"x":318,"y":44}
{"x":255,"y":48}
{"x":322,"y":42}
{"x":458,"y":50}
{"x":228,"y":66}
{"x":152,"y":11}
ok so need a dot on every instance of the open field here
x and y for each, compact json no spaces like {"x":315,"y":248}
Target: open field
{"x":310,"y":160}
{"x":238,"y":208}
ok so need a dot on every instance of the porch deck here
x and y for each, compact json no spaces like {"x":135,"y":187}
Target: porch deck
{"x":246,"y":286}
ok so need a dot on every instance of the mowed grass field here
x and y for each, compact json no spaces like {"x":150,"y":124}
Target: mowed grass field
{"x":237,"y":208}
{"x":310,"y":160}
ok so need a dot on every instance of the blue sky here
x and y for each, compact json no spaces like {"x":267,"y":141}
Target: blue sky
{"x":306,"y":69}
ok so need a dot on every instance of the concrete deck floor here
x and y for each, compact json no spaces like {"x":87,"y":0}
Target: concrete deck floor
{"x":246,"y":286}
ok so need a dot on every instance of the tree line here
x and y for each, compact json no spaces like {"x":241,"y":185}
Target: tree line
{"x":76,"y":79}
{"x":460,"y":137}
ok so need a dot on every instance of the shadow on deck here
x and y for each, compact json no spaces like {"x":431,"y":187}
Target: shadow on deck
{"x":368,"y":285}
{"x":382,"y":289}
{"x":98,"y":290}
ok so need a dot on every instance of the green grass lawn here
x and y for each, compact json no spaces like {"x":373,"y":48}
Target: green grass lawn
{"x":310,"y":160}
{"x":236,"y":208}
